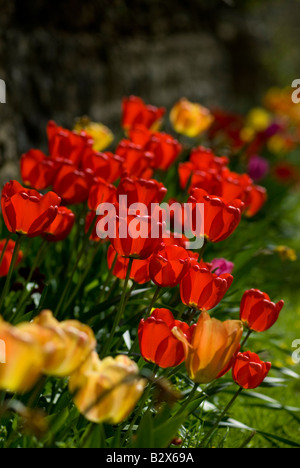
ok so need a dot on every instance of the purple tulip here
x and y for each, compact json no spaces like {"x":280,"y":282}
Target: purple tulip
{"x":221,"y":266}
{"x":258,"y":167}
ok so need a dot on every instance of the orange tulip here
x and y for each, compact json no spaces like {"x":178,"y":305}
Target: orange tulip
{"x":108,"y":390}
{"x":211,"y":348}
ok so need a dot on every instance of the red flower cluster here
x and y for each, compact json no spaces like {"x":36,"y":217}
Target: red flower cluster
{"x":62,"y":169}
{"x":78,"y":173}
{"x":208,"y":172}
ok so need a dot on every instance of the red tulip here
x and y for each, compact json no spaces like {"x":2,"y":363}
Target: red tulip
{"x":220,"y":218}
{"x":235,"y":185}
{"x":108,"y":166}
{"x":37,"y":170}
{"x":73,"y":185}
{"x":241,"y":186}
{"x":136,"y":112}
{"x":137,"y":161}
{"x":249,"y":371}
{"x":26,"y":211}
{"x":7,"y":257}
{"x":139,"y":270}
{"x":208,"y":179}
{"x":257,"y":312}
{"x":169,"y":238}
{"x":141,"y":191}
{"x":164,"y":147}
{"x":135,"y":236}
{"x":228,"y":126}
{"x":256,"y":198}
{"x":168,"y":265}
{"x":101,"y":192}
{"x":157,"y":343}
{"x":67,"y":144}
{"x":201,"y":289}
{"x":62,"y":225}
{"x":203,"y":159}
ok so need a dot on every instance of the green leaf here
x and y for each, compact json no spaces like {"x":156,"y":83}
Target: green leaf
{"x":165,"y":432}
{"x":144,"y":437}
{"x":94,"y":437}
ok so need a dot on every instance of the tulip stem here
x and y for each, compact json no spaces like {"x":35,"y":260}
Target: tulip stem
{"x":202,"y":250}
{"x":193,"y":312}
{"x":10,"y":272}
{"x":120,"y":312}
{"x":82,"y":279}
{"x":154,"y":299}
{"x":4,"y":248}
{"x":189,"y":399}
{"x":37,"y":261}
{"x":108,"y":278}
{"x":228,"y":406}
{"x":246,"y":338}
{"x":70,"y":279}
{"x":142,"y":403}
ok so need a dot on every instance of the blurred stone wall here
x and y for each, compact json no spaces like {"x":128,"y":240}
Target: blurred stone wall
{"x":69,"y":58}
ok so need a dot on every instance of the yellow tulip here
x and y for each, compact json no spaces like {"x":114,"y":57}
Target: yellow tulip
{"x":23,"y":360}
{"x":190,"y":119}
{"x":106,"y":390}
{"x":212,"y":347}
{"x":101,"y":134}
{"x":66,"y":345}
{"x":258,"y":119}
{"x":286,"y":253}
